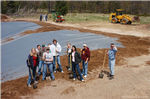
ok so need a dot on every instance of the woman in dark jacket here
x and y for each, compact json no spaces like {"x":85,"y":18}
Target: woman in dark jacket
{"x":32,"y":63}
{"x":76,"y":59}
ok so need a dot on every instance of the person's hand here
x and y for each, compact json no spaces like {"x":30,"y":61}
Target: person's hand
{"x":57,"y":51}
{"x":86,"y":62}
{"x":106,"y":51}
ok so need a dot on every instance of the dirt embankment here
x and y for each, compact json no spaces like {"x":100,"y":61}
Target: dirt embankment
{"x":134,"y":46}
{"x":5,"y":18}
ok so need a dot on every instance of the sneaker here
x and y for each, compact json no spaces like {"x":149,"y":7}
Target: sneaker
{"x":82,"y":80}
{"x":29,"y":85}
{"x":69,"y":69}
{"x":111,"y":77}
{"x":49,"y":78}
{"x":44,"y":79}
{"x":53,"y":79}
{"x":36,"y":82}
{"x":85,"y":76}
{"x":74,"y":79}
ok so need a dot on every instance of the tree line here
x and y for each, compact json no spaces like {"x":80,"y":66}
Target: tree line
{"x":130,"y":7}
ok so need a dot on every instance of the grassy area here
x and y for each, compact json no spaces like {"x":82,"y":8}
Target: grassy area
{"x":93,"y":17}
{"x":86,"y":17}
{"x":144,"y":19}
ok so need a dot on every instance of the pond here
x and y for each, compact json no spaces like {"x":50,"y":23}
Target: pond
{"x":15,"y":53}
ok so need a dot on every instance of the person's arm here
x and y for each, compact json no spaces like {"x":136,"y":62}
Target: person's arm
{"x":79,"y":56}
{"x":31,"y":61}
{"x":88,"y":56}
{"x":115,"y":48}
{"x":49,"y":60}
{"x":38,"y":59}
{"x":58,"y":48}
{"x":67,"y":51}
{"x":43,"y":57}
{"x":107,"y":52}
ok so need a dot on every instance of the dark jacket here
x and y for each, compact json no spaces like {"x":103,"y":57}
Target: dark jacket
{"x":41,"y":53}
{"x":77,"y":57}
{"x":85,"y":54}
{"x":30,"y":61}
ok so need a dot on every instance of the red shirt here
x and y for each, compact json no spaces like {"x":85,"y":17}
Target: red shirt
{"x":34,"y":61}
{"x":85,"y":54}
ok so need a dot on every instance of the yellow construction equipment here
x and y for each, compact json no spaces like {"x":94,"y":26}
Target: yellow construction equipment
{"x":119,"y":17}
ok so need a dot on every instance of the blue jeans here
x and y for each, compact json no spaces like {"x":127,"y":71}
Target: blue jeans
{"x":41,"y":63}
{"x":58,"y":62}
{"x":32,"y":73}
{"x":111,"y":66}
{"x":50,"y":67}
{"x":74,"y":67}
{"x":85,"y":68}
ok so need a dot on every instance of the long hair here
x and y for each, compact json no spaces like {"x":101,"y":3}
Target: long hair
{"x":33,"y":54}
{"x":74,"y":48}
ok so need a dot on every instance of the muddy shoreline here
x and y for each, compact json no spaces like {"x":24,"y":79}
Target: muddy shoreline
{"x":134,"y":46}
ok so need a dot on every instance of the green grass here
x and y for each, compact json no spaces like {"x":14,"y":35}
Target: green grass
{"x":86,"y":17}
{"x":93,"y":17}
{"x":144,"y":19}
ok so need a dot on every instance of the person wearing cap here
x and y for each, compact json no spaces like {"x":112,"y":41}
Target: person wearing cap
{"x":56,"y":50}
{"x":111,"y":56}
{"x":85,"y":54}
{"x":41,"y":62}
{"x":48,"y":62}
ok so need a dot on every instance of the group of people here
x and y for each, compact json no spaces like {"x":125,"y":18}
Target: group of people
{"x":74,"y":58}
{"x":43,"y":17}
{"x":45,"y":58}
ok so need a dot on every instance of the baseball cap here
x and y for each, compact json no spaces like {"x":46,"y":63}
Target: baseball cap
{"x":43,"y":45}
{"x":84,"y":45}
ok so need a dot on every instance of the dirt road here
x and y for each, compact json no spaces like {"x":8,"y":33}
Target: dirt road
{"x":139,"y":30}
{"x":133,"y":29}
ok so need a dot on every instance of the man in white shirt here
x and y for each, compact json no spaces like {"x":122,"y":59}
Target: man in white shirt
{"x":56,"y":50}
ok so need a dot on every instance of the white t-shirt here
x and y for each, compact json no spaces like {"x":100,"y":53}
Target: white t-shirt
{"x":73,"y":56}
{"x":37,"y":50}
{"x":47,"y":56}
{"x":54,"y":48}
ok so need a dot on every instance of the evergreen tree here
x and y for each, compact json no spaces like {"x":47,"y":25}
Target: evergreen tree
{"x":61,"y":7}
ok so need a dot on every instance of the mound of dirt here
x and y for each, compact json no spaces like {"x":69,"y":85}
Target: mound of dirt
{"x":5,"y":18}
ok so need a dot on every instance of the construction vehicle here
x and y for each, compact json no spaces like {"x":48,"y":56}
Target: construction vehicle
{"x":57,"y":17}
{"x":119,"y":17}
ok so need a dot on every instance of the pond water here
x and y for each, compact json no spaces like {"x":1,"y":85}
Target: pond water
{"x":15,"y":53}
{"x":9,"y":29}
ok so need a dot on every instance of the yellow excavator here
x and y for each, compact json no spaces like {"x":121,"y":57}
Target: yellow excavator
{"x":119,"y":17}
